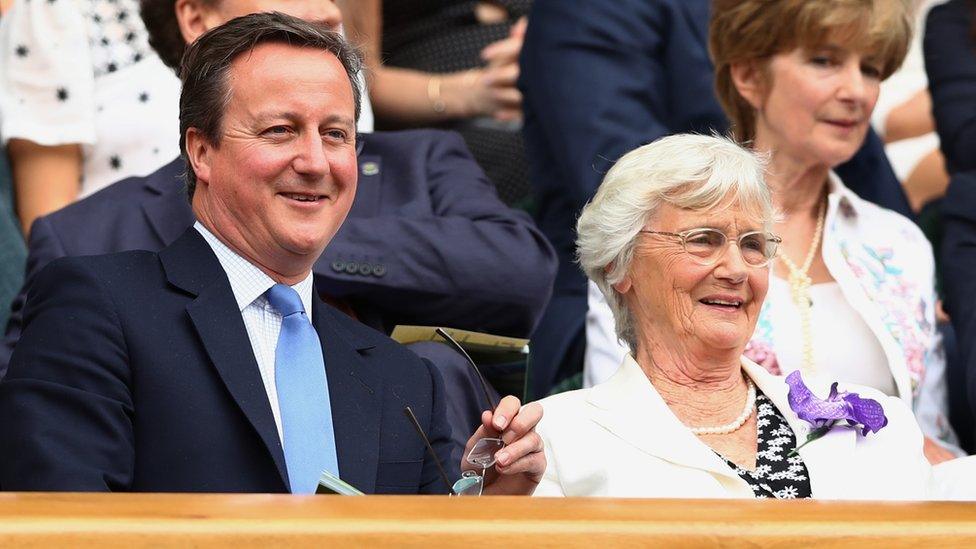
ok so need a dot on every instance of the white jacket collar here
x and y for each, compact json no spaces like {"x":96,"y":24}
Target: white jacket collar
{"x":629,"y":406}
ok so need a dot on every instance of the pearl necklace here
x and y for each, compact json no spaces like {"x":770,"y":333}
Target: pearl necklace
{"x":800,"y":283}
{"x":736,"y":423}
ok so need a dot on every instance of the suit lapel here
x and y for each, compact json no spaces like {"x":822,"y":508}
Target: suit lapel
{"x":191,"y":265}
{"x":629,"y":407}
{"x":356,"y":394}
{"x":825,"y":457}
{"x":167,"y":209}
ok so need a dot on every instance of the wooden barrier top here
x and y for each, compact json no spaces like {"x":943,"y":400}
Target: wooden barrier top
{"x":260,"y":520}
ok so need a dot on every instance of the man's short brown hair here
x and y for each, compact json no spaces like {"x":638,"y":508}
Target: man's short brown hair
{"x":755,"y":30}
{"x":206,"y":64}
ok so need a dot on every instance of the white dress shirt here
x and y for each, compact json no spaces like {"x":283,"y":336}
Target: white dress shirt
{"x":262,"y":321}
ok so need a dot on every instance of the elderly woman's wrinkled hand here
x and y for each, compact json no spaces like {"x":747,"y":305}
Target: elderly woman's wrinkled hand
{"x":519,"y":466}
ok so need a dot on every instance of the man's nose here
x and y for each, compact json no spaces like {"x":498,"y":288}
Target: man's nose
{"x":311,"y":159}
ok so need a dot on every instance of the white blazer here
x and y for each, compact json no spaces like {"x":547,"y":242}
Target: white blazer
{"x":619,"y":439}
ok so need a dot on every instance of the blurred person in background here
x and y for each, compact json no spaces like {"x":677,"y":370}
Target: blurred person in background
{"x":903,"y":118}
{"x":12,"y":249}
{"x":950,"y":62}
{"x":84,"y":100}
{"x":450,"y":64}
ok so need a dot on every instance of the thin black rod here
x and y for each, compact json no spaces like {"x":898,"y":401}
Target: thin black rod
{"x":484,"y":382}
{"x":423,"y":435}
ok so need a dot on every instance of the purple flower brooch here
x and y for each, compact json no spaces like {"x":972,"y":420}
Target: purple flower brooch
{"x":823,"y":415}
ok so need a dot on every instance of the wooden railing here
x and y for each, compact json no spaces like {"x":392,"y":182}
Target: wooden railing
{"x":242,"y":521}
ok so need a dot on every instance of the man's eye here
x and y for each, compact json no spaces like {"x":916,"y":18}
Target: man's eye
{"x":277,"y":130}
{"x":336,"y":134}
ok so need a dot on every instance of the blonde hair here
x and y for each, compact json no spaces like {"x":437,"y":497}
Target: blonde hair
{"x":695,"y":172}
{"x":755,"y":30}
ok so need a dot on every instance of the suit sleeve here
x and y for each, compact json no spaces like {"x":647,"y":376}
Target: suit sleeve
{"x":65,"y":403}
{"x":43,"y":247}
{"x":595,"y":85}
{"x":950,"y":62}
{"x":464,"y":260}
{"x":439,"y":432}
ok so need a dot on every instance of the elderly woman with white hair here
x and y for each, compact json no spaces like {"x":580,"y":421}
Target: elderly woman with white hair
{"x":678,"y":239}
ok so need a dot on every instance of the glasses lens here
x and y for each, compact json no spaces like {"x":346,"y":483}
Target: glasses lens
{"x":704,"y":243}
{"x":756,"y":248}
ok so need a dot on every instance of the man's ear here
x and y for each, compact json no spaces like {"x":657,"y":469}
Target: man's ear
{"x":198,"y":154}
{"x":750,"y":81}
{"x":194,"y":18}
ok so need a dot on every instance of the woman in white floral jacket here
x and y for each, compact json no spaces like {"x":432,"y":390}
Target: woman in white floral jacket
{"x":852,"y":294}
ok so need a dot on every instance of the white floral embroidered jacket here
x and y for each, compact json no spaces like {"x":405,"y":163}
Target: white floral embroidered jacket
{"x":884,"y":266}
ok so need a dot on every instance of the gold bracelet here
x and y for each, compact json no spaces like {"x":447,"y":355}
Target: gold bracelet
{"x":434,"y":94}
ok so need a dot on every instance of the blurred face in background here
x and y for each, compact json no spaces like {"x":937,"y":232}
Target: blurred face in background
{"x":814,"y":104}
{"x":199,"y":16}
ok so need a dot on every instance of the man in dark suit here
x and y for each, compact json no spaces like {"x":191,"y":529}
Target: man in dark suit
{"x":176,"y":371}
{"x":598,"y":80}
{"x":428,"y":241}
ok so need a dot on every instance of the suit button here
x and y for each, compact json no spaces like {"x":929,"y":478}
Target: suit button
{"x":365,"y":269}
{"x":352,"y":267}
{"x":379,"y":270}
{"x":338,"y":266}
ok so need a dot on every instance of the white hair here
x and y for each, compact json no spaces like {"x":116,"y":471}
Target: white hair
{"x":696,"y":172}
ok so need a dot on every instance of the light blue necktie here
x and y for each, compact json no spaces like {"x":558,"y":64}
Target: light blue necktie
{"x":303,"y":395}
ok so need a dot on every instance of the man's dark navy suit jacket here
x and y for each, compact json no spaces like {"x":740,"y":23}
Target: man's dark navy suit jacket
{"x":135,"y":373}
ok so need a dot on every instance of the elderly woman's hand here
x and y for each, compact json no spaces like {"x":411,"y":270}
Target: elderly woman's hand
{"x":519,"y":466}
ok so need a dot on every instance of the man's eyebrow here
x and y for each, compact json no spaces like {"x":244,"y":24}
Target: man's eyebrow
{"x":340,"y":119}
{"x":294,"y":116}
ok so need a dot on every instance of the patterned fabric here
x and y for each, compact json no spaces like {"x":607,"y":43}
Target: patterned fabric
{"x":82,"y":71}
{"x":777,"y":475}
{"x":262,"y":321}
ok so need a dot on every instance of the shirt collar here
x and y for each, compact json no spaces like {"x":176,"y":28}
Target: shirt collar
{"x":846,"y":199}
{"x":247,"y":281}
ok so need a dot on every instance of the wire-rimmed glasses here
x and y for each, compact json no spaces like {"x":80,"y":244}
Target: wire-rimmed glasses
{"x":707,"y":245}
{"x":482,"y":454}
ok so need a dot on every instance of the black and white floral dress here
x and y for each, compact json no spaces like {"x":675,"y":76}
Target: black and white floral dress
{"x":82,"y":71}
{"x":776,"y":474}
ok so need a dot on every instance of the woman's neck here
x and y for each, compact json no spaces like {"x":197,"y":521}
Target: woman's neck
{"x":797,"y":187}
{"x":705,"y":390}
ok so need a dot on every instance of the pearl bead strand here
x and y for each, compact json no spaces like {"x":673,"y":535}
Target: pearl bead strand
{"x":738,"y":422}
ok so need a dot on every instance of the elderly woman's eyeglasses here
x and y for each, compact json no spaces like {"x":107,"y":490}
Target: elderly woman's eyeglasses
{"x":707,"y":245}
